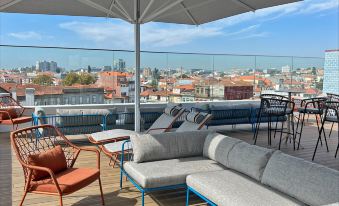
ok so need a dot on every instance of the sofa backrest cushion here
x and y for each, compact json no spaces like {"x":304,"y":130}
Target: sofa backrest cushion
{"x":74,"y":117}
{"x":218,"y":146}
{"x":249,"y":159}
{"x":167,"y":145}
{"x":308,"y":182}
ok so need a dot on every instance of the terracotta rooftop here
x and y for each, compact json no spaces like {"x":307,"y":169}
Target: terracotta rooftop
{"x":114,"y":73}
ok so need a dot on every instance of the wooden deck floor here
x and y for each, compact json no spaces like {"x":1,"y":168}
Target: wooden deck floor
{"x":11,"y":176}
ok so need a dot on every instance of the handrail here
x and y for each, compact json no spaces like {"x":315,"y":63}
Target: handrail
{"x":156,"y":52}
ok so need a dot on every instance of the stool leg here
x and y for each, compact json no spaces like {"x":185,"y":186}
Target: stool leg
{"x":329,"y":135}
{"x":257,"y":128}
{"x":281,"y":133}
{"x":319,"y":138}
{"x":336,"y":152}
{"x":301,"y":129}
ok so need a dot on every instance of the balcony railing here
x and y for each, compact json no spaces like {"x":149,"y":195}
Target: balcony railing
{"x":168,"y":76}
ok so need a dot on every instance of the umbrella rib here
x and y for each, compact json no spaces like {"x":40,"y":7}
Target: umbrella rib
{"x":146,"y":9}
{"x":122,"y":9}
{"x":161,"y":11}
{"x":101,"y":8}
{"x":189,"y":7}
{"x":244,"y":5}
{"x":9,"y":4}
{"x":188,"y":13}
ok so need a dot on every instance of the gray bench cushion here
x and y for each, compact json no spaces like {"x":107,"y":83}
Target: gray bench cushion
{"x":308,"y":182}
{"x":230,"y":188}
{"x":167,"y":145}
{"x":74,"y":117}
{"x":249,"y":159}
{"x":168,"y":172}
{"x":218,"y":146}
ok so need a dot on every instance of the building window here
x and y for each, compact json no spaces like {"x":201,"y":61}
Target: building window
{"x":80,"y":99}
{"x":94,"y":99}
{"x":66,"y":100}
{"x":72,"y":100}
{"x":87,"y":99}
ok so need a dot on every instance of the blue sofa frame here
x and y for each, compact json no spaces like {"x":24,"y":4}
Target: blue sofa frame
{"x":189,"y":189}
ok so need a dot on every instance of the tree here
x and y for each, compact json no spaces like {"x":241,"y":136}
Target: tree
{"x":43,"y":79}
{"x":74,"y":78}
{"x":70,"y":79}
{"x":86,"y":79}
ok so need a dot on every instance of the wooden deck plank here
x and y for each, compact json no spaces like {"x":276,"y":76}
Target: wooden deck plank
{"x":11,"y":176}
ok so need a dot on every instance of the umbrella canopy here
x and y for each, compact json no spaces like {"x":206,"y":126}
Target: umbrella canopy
{"x":137,"y":12}
{"x":171,"y":11}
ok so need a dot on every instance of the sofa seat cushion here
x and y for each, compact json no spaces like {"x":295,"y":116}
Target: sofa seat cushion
{"x":231,"y":188}
{"x":308,"y":182}
{"x":168,"y":172}
{"x":69,"y":181}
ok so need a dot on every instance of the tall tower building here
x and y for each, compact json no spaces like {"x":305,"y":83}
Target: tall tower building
{"x":119,"y":65}
{"x":331,"y":72}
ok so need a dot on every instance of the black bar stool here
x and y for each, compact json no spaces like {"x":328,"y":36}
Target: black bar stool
{"x":331,"y":114}
{"x":312,"y":106}
{"x":333,"y":98}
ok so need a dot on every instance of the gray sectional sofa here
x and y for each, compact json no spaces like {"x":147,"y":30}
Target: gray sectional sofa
{"x":227,"y":171}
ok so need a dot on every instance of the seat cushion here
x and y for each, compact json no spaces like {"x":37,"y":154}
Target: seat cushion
{"x":8,"y":113}
{"x":53,"y":159}
{"x":249,"y":159}
{"x":310,"y":110}
{"x":168,"y":172}
{"x":18,"y":120}
{"x":69,"y":181}
{"x":231,"y":188}
{"x":311,"y":183}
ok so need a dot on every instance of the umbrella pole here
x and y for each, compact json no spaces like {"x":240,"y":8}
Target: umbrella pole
{"x":137,"y":66}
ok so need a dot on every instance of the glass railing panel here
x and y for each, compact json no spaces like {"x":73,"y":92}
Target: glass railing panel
{"x":55,"y":76}
{"x":192,"y":77}
{"x":155,"y":74}
{"x":273,"y":74}
{"x":308,"y":74}
{"x":235,"y":74}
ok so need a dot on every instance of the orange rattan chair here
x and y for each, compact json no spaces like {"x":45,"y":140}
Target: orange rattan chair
{"x":12,"y":113}
{"x":40,"y":139}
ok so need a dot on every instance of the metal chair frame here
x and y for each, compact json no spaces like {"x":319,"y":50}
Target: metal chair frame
{"x":37,"y":139}
{"x":331,"y":110}
{"x":314,"y":103}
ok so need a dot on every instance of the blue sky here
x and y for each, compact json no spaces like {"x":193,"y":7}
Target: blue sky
{"x":305,"y":28}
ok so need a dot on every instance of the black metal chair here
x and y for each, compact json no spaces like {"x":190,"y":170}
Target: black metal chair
{"x":311,"y":106}
{"x":333,"y":98}
{"x":277,"y":108}
{"x":331,"y":115}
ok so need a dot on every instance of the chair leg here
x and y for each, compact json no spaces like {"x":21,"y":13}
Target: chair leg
{"x":281,"y":133}
{"x":316,"y":117}
{"x":121,"y":176}
{"x":301,"y":129}
{"x":319,"y":138}
{"x":275,"y":129}
{"x":101,"y":192}
{"x":187,"y":196}
{"x":60,"y":200}
{"x":329,"y":135}
{"x":23,"y":198}
{"x":336,"y":152}
{"x":142,"y":198}
{"x":257,"y":128}
{"x":293,"y":133}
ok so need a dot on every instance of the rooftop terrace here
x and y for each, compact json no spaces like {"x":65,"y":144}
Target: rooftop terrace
{"x":11,"y":175}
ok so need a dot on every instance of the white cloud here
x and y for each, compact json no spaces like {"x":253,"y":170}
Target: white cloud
{"x":28,"y":35}
{"x":120,"y":34}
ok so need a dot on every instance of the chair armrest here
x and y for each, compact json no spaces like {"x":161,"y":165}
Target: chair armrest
{"x":92,"y":150}
{"x":27,"y":111}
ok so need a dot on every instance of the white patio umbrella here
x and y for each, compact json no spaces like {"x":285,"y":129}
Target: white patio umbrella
{"x":138,"y":12}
